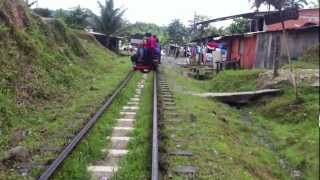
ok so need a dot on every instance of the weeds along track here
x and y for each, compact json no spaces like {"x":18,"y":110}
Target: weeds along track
{"x":169,"y":121}
{"x":82,"y":133}
{"x":140,"y":103}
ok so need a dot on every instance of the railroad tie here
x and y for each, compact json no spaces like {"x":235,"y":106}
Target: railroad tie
{"x":114,"y":139}
{"x":128,"y":115}
{"x":167,"y":96}
{"x":134,"y":99}
{"x":121,"y":131}
{"x":132,"y":103}
{"x":125,"y":122}
{"x":106,"y":168}
{"x":169,"y":103}
{"x":171,"y":114}
{"x":186,"y":170}
{"x":102,"y":172}
{"x":132,"y":108}
{"x":136,"y":96}
{"x":180,"y":153}
{"x":117,"y":152}
{"x":170,"y":108}
{"x":167,"y":99}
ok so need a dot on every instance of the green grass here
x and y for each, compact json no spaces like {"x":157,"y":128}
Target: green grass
{"x":223,"y":145}
{"x":226,"y":81}
{"x":136,"y":164}
{"x":51,"y":80}
{"x":293,"y":129}
{"x":232,"y":81}
{"x":302,"y":65}
{"x":246,"y":143}
{"x":89,"y":150}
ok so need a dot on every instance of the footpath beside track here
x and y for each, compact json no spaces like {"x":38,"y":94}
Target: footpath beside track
{"x":53,"y":167}
{"x":107,"y":167}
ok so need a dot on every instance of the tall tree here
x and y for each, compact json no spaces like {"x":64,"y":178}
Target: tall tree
{"x":239,"y":26}
{"x":202,"y":31}
{"x":76,"y":18}
{"x":110,"y":20}
{"x":177,"y":32}
{"x":31,"y":3}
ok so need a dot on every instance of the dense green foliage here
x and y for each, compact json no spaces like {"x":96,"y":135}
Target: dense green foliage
{"x":110,"y":21}
{"x":280,"y":4}
{"x":239,"y":26}
{"x":177,"y":32}
{"x":76,"y":18}
{"x":142,"y":28}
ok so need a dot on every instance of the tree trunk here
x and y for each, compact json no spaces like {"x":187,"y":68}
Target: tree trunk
{"x":292,"y":73}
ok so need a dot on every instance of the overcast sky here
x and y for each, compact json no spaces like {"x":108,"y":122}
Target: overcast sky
{"x":161,"y":12}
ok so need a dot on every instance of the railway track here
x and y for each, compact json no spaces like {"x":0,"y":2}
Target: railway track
{"x":125,"y":124}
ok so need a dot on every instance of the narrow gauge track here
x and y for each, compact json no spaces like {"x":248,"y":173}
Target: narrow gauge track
{"x":92,"y":121}
{"x":155,"y":143}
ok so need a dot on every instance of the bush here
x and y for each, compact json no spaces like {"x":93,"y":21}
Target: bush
{"x":311,"y":55}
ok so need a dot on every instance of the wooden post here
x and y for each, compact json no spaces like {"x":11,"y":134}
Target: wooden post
{"x":292,"y":73}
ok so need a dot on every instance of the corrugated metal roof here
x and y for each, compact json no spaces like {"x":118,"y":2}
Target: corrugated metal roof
{"x":251,"y":15}
{"x":260,"y":32}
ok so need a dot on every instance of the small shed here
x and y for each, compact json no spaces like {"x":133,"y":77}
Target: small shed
{"x":111,"y":42}
{"x":241,"y":47}
{"x":262,"y":49}
{"x":114,"y":43}
{"x":102,"y":38}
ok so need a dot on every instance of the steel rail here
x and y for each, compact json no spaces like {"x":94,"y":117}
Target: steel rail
{"x":75,"y":141}
{"x":155,"y":145}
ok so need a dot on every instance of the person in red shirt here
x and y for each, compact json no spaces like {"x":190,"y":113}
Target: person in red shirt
{"x":150,"y":47}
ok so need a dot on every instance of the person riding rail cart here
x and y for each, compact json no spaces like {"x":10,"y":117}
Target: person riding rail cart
{"x":148,"y":54}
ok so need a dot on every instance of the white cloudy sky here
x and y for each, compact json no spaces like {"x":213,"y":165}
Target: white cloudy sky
{"x":161,"y":12}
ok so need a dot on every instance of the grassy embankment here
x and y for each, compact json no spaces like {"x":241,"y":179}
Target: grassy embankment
{"x":52,"y":79}
{"x":276,"y":139}
{"x":90,"y":148}
{"x":137,"y":163}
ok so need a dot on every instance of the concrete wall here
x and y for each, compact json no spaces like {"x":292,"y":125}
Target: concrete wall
{"x":270,"y":46}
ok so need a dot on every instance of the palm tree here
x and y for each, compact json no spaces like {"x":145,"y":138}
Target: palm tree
{"x":258,"y":3}
{"x":281,"y":5}
{"x":31,"y":3}
{"x":110,"y":20}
